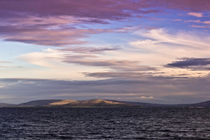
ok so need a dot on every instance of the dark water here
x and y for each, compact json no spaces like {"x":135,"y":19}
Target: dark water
{"x":106,"y":123}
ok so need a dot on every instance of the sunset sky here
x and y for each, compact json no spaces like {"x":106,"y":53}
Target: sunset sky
{"x":155,"y":51}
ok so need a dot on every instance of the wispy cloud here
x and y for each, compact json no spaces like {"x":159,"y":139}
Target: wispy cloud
{"x":150,"y":89}
{"x":89,"y":50}
{"x":48,"y":37}
{"x":164,"y":47}
{"x":161,"y":48}
{"x":199,"y":15}
{"x":35,"y":22}
{"x":90,"y":9}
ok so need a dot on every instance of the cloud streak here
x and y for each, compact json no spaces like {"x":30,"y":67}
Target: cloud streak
{"x":101,"y":9}
{"x":192,"y":63}
{"x":150,"y":89}
{"x":46,"y":37}
{"x":55,"y":23}
{"x":199,"y":15}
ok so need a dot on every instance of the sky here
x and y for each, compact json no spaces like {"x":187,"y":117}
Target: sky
{"x":154,"y":51}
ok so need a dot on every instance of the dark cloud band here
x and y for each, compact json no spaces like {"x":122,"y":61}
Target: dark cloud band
{"x":191,"y":63}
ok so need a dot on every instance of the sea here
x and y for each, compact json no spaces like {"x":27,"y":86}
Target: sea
{"x":104,"y":123}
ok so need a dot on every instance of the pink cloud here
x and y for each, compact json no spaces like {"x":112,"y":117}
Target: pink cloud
{"x":48,"y":37}
{"x":200,"y":26}
{"x":55,"y":22}
{"x":195,"y":14}
{"x":193,"y":21}
{"x":206,"y":22}
{"x":199,"y":23}
{"x":89,"y":50}
{"x":100,"y":9}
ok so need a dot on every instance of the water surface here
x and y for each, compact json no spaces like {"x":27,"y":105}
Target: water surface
{"x":103,"y":123}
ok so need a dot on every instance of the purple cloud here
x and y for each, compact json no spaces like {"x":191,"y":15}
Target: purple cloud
{"x":89,"y":49}
{"x":100,"y":9}
{"x":192,"y":63}
{"x":43,"y":22}
{"x":186,"y":5}
{"x":163,"y":89}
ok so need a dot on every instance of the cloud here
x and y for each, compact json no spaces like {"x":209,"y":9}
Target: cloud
{"x":199,"y":15}
{"x":59,"y":23}
{"x":72,"y":63}
{"x":148,"y":89}
{"x":86,"y":57}
{"x":146,"y":97}
{"x":48,"y":37}
{"x":46,"y":58}
{"x":89,"y":50}
{"x":205,"y":24}
{"x":114,"y":64}
{"x":192,"y":63}
{"x":162,"y":47}
{"x":4,"y":62}
{"x":124,"y":74}
{"x":145,"y":56}
{"x":2,"y":85}
{"x":201,"y":26}
{"x":101,"y":9}
{"x":185,"y":5}
{"x":180,"y":38}
{"x":198,"y":21}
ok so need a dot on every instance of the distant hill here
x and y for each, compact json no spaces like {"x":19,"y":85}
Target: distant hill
{"x":101,"y":103}
{"x":76,"y":103}
{"x":89,"y":103}
{"x":38,"y":103}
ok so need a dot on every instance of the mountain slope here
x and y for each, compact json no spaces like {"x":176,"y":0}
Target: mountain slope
{"x":63,"y":102}
{"x":103,"y":103}
{"x":74,"y":103}
{"x":93,"y":102}
{"x":38,"y":103}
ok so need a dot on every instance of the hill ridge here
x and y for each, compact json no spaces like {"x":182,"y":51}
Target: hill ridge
{"x":99,"y":103}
